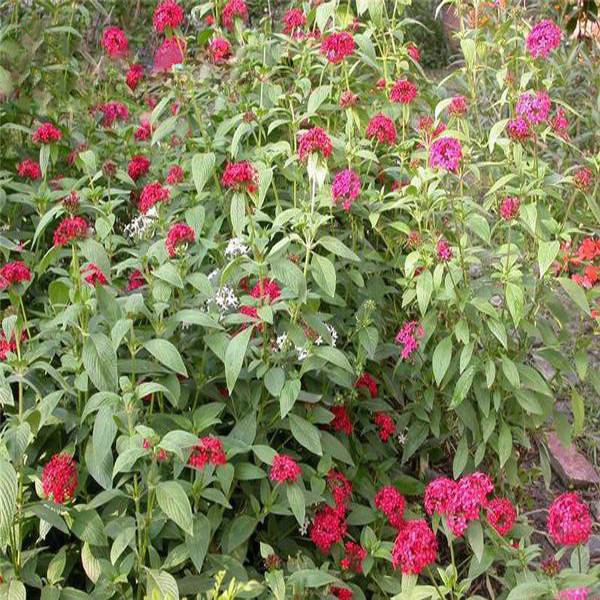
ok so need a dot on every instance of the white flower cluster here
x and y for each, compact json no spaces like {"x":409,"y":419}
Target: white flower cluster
{"x":282,"y":342}
{"x":302,"y":353}
{"x":138,"y":228}
{"x":236,"y":247}
{"x":225,"y":299}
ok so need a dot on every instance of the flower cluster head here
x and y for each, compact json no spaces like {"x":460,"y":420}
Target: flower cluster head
{"x":582,"y":178}
{"x":569,"y":520}
{"x":337,"y":46}
{"x":386,"y":425}
{"x":134,"y":76}
{"x":219,"y":49}
{"x":560,"y":123}
{"x":535,"y":108}
{"x":415,"y":547}
{"x":136,"y":280}
{"x":13,"y":273}
{"x":266,"y":289}
{"x":138,"y":166}
{"x":354,"y":555}
{"x":366,"y":381}
{"x":240,"y":176}
{"x":446,"y":153}
{"x":341,"y":420}
{"x":509,"y":209}
{"x":151,"y":194}
{"x":382,"y":128}
{"x":408,"y":337}
{"x":293,"y":21}
{"x":179,"y":235}
{"x":458,"y":107}
{"x":8,"y":345}
{"x":232,"y":10}
{"x":46,"y":133}
{"x":519,"y":129}
{"x":444,"y":251}
{"x":328,"y":527}
{"x":438,"y":496}
{"x":339,"y":486}
{"x":69,"y":230}
{"x":29,"y":169}
{"x":580,"y":593}
{"x":59,"y":478}
{"x":175,"y":175}
{"x":543,"y":38}
{"x":284,"y":469}
{"x":93,"y":274}
{"x":167,"y":14}
{"x":144,"y":131}
{"x":345,"y":188}
{"x":414,"y":52}
{"x":392,"y":504}
{"x":501,"y":515}
{"x":111,"y":112}
{"x":210,"y":451}
{"x":403,"y":92}
{"x":426,"y":125}
{"x":348,"y":99}
{"x":341,"y":593}
{"x":115,"y":42}
{"x":170,"y":52}
{"x":469,"y":497}
{"x":314,"y":140}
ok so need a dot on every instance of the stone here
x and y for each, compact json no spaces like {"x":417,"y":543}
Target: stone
{"x":594,"y":546}
{"x":570,"y":465}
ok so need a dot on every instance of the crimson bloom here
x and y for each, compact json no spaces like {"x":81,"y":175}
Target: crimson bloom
{"x":179,"y":234}
{"x":519,"y":129}
{"x":209,"y":450}
{"x":266,"y":289}
{"x":234,"y":9}
{"x":170,"y":52}
{"x":501,"y":515}
{"x":337,"y":46}
{"x":340,"y":487}
{"x":341,"y":421}
{"x":569,"y":520}
{"x":386,"y":425}
{"x":446,"y":153}
{"x":392,"y":504}
{"x":582,"y":178}
{"x":341,"y":593}
{"x":46,"y":133}
{"x":175,"y":175}
{"x":59,"y":478}
{"x":545,"y":37}
{"x":354,"y":556}
{"x":458,"y":106}
{"x":284,"y":469}
{"x":415,"y":547}
{"x":328,"y":527}
{"x":138,"y":166}
{"x":144,"y":131}
{"x":509,"y":209}
{"x":438,"y":496}
{"x":367,"y":381}
{"x":115,"y":42}
{"x":293,"y":20}
{"x":13,"y":273}
{"x":69,"y":230}
{"x":345,"y":188}
{"x":314,"y":140}
{"x":403,"y":92}
{"x":383,"y":129}
{"x":136,"y":280}
{"x":167,"y":14}
{"x":219,"y":49}
{"x":413,"y":52}
{"x":93,"y":274}
{"x":151,"y":194}
{"x":240,"y":176}
{"x":29,"y":169}
{"x":444,"y":251}
{"x":135,"y":74}
{"x":111,"y":112}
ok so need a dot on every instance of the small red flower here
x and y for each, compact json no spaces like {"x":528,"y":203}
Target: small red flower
{"x":386,"y":425}
{"x":367,"y":381}
{"x":59,"y":478}
{"x":219,"y":49}
{"x":175,"y":175}
{"x":354,"y":556}
{"x":340,"y":487}
{"x":284,"y":469}
{"x":134,"y":76}
{"x":519,"y":129}
{"x":115,"y":42}
{"x":501,"y":515}
{"x":415,"y":547}
{"x":240,"y":176}
{"x":414,"y":52}
{"x":383,"y":129}
{"x":167,"y":14}
{"x":337,"y":46}
{"x":438,"y":496}
{"x":170,"y":52}
{"x":144,"y":131}
{"x":111,"y":112}
{"x":234,"y":9}
{"x":345,"y":188}
{"x":341,"y":420}
{"x":314,"y":140}
{"x":458,"y":106}
{"x":509,"y":209}
{"x":392,"y":504}
{"x":209,"y":450}
{"x":70,"y":229}
{"x":152,"y":193}
{"x":266,"y":289}
{"x":29,"y":169}
{"x":569,"y":520}
{"x":13,"y":273}
{"x":582,"y":178}
{"x":93,"y":274}
{"x":46,"y":133}
{"x":403,"y":92}
{"x":179,"y":234}
{"x":138,"y":166}
{"x":293,"y":20}
{"x":348,"y":99}
{"x":341,"y":593}
{"x":136,"y":280}
{"x":328,"y":527}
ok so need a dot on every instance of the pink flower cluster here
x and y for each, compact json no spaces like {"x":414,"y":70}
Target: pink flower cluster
{"x":415,"y":547}
{"x":569,"y":520}
{"x":284,"y":469}
{"x":115,"y":42}
{"x":219,"y":49}
{"x":29,"y":169}
{"x":240,"y":176}
{"x":152,"y":193}
{"x":382,"y":128}
{"x":13,"y":273}
{"x":366,"y":381}
{"x":293,"y":20}
{"x":167,"y":14}
{"x":408,"y":337}
{"x":70,"y":229}
{"x":403,"y":92}
{"x":111,"y":112}
{"x":535,"y":108}
{"x":134,"y":76}
{"x":59,"y":478}
{"x":232,"y":10}
{"x":210,"y":451}
{"x":93,"y":275}
{"x":446,"y":153}
{"x":314,"y":140}
{"x":545,"y":37}
{"x":386,"y":425}
{"x":180,"y":234}
{"x":46,"y":133}
{"x":392,"y":504}
{"x":337,"y":46}
{"x":341,"y":421}
{"x":509,"y":209}
{"x":138,"y":166}
{"x":345,"y":188}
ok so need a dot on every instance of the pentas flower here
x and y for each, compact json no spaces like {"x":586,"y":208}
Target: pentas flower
{"x":179,"y":235}
{"x":446,"y":153}
{"x":46,"y":133}
{"x":59,"y":478}
{"x":582,"y":178}
{"x":167,"y":14}
{"x":341,"y":420}
{"x":93,"y":274}
{"x":345,"y":188}
{"x":545,"y":37}
{"x":144,"y":131}
{"x":266,"y":289}
{"x":534,"y":107}
{"x":29,"y":169}
{"x":314,"y":140}
{"x":458,"y":106}
{"x":354,"y":555}
{"x":341,"y":593}
{"x":425,"y":125}
{"x":328,"y":527}
{"x":175,"y":175}
{"x":348,"y":99}
{"x":382,"y":128}
{"x":580,"y":593}
{"x":590,"y":277}
{"x":438,"y":496}
{"x":134,"y":76}
{"x":509,"y":209}
{"x":111,"y":112}
{"x":367,"y":381}
{"x":114,"y":42}
{"x":408,"y":337}
{"x":170,"y":52}
{"x":403,"y":92}
{"x":293,"y":20}
{"x":386,"y":425}
{"x":589,"y":249}
{"x":138,"y":166}
{"x":240,"y":176}
{"x":519,"y":129}
{"x":415,"y":547}
{"x":8,"y":346}
{"x":210,"y":451}
{"x":13,"y":273}
{"x":569,"y":520}
{"x":414,"y":52}
{"x":219,"y":49}
{"x":392,"y":504}
{"x":136,"y":280}
{"x":337,"y":46}
{"x":69,"y":230}
{"x":444,"y":251}
{"x":501,"y":515}
{"x":469,"y":497}
{"x":151,"y":194}
{"x":339,"y":486}
{"x":560,"y":123}
{"x":284,"y":469}
{"x":234,"y":9}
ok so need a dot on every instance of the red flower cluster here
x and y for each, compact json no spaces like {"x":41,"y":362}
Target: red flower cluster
{"x":383,"y":129}
{"x":386,"y":425}
{"x":46,"y":133}
{"x":70,"y":229}
{"x":425,"y":126}
{"x":341,"y":420}
{"x":458,"y":106}
{"x":240,"y":176}
{"x":29,"y":169}
{"x":339,"y":486}
{"x":341,"y":593}
{"x":328,"y":527}
{"x":152,"y":193}
{"x":14,"y":272}
{"x":367,"y":381}
{"x":444,"y":251}
{"x":348,"y":99}
{"x":392,"y":504}
{"x":293,"y":20}
{"x":232,"y":10}
{"x":587,"y":254}
{"x":138,"y":166}
{"x":509,"y":209}
{"x":93,"y":274}
{"x":170,"y":52}
{"x":219,"y":49}
{"x":284,"y":469}
{"x":314,"y":140}
{"x":167,"y":14}
{"x":413,"y":52}
{"x":208,"y":451}
{"x":115,"y":42}
{"x":179,"y":234}
{"x":134,"y":76}
{"x":345,"y":188}
{"x":415,"y":547}
{"x":111,"y":112}
{"x":9,"y":345}
{"x":59,"y":478}
{"x":354,"y":556}
{"x":408,"y":337}
{"x":175,"y":175}
{"x":569,"y":520}
{"x":560,"y":123}
{"x":337,"y":46}
{"x":266,"y":289}
{"x":445,"y":153}
{"x":519,"y":129}
{"x":144,"y":131}
{"x":582,"y":178}
{"x":543,"y":38}
{"x":501,"y":515}
{"x":403,"y":92}
{"x":136,"y":280}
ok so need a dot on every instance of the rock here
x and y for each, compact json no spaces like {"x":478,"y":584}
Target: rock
{"x":571,"y":466}
{"x":544,"y":367}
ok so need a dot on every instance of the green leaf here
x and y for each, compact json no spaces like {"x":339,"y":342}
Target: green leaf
{"x":202,"y":168}
{"x":547,"y":252}
{"x":241,"y":529}
{"x":338,"y":248}
{"x":174,"y":502}
{"x":576,"y":293}
{"x":442,"y":356}
{"x":475,"y":539}
{"x":88,"y":527}
{"x":288,"y":397}
{"x":295,"y":497}
{"x":198,"y":543}
{"x":160,"y":584}
{"x":323,"y":272}
{"x":166,"y":354}
{"x":461,"y":457}
{"x":424,"y":290}
{"x":495,"y":132}
{"x":306,"y":434}
{"x":511,"y":372}
{"x":529,"y":591}
{"x":164,"y":129}
{"x":317,"y":97}
{"x":578,"y":409}
{"x":463,"y":385}
{"x":505,"y":444}
{"x":334,"y":356}
{"x":8,"y":499}
{"x":234,"y":356}
{"x":100,"y":362}
{"x":16,"y":591}
{"x":515,"y":300}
